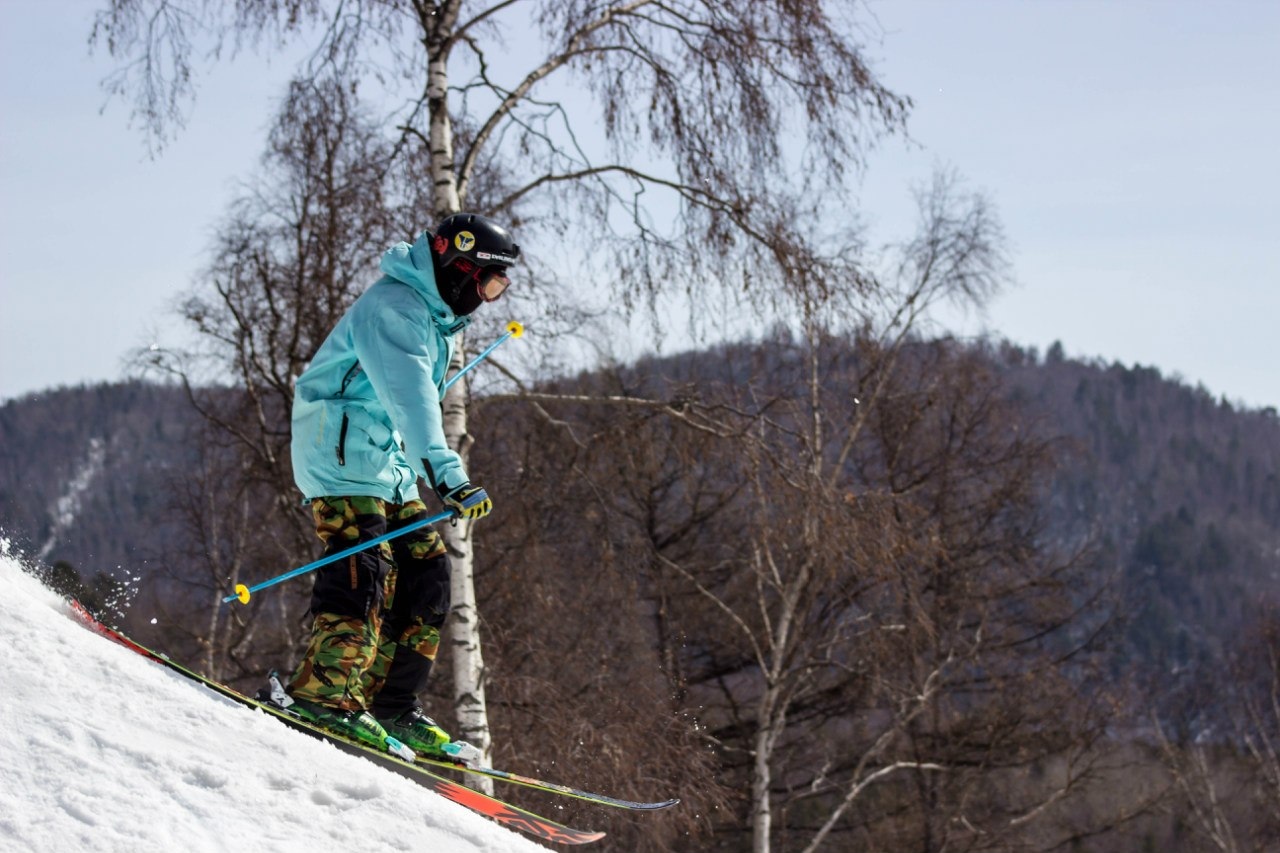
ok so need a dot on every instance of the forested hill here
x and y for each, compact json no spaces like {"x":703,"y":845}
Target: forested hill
{"x":89,"y":475}
{"x":1173,"y":490}
{"x":1181,"y":489}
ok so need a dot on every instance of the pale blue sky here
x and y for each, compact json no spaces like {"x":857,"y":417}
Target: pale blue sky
{"x":1129,"y":147}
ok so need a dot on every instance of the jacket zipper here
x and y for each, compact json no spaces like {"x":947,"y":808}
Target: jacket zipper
{"x":342,"y":441}
{"x":347,"y":377}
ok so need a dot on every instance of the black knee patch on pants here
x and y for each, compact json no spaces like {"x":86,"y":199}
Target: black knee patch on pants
{"x":422,"y":594}
{"x":353,"y":586}
{"x":419,"y":608}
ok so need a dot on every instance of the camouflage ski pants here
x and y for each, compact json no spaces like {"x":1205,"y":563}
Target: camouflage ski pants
{"x":377,"y":614}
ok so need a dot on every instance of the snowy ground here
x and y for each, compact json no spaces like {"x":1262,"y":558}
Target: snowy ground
{"x":102,"y":750}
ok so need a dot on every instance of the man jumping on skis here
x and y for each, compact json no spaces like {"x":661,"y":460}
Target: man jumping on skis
{"x":367,"y":422}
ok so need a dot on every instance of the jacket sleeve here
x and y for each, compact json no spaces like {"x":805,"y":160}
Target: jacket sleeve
{"x":394,"y":346}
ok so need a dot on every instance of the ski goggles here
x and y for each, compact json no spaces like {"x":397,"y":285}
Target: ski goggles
{"x":492,"y":283}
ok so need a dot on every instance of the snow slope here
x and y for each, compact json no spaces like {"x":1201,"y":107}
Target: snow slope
{"x":102,"y":750}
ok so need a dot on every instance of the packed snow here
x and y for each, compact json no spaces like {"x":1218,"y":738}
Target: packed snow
{"x":103,"y":750}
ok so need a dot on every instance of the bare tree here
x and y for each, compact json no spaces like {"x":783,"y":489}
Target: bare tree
{"x":717,"y":133}
{"x":816,"y":563}
{"x":839,"y":542}
{"x":1221,"y":744}
{"x":1258,"y":719}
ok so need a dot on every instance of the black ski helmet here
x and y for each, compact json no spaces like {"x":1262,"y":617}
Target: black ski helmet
{"x":466,"y":248}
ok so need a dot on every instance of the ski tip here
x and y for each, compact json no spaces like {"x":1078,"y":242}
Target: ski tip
{"x":242,"y":593}
{"x":569,"y":836}
{"x":515,"y":329}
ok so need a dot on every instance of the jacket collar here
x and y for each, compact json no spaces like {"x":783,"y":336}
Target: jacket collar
{"x":412,"y":265}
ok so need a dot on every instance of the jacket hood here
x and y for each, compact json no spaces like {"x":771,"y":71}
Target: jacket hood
{"x":412,"y":265}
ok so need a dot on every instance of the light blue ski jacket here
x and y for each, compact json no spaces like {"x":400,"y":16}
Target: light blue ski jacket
{"x":366,"y":412}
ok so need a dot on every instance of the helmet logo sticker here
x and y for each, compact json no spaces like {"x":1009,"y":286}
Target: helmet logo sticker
{"x":464,"y":241}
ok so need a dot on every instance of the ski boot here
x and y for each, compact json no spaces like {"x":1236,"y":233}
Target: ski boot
{"x":421,"y":734}
{"x":358,"y":726}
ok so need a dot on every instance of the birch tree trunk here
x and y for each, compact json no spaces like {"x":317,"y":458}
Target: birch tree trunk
{"x":464,"y":623}
{"x":464,"y":626}
{"x":464,"y":645}
{"x":766,"y":738}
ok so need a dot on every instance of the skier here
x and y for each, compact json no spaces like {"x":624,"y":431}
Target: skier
{"x":367,"y":422}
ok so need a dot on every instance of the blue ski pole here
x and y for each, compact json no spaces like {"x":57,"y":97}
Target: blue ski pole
{"x":514,"y":330}
{"x":243,"y":592}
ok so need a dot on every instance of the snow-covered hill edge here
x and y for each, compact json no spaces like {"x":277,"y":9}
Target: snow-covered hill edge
{"x":102,"y":750}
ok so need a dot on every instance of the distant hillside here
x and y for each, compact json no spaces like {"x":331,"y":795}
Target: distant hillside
{"x":1179,"y":490}
{"x":1182,"y":490}
{"x":87,"y":473}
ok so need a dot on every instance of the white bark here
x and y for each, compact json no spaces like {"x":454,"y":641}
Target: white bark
{"x":464,"y":622}
{"x":769,"y":729}
{"x":463,"y":637}
{"x":464,"y":645}
{"x":440,"y":130}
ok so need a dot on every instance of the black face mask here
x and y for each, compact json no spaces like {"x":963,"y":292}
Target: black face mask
{"x":458,"y":290}
{"x":467,"y":300}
